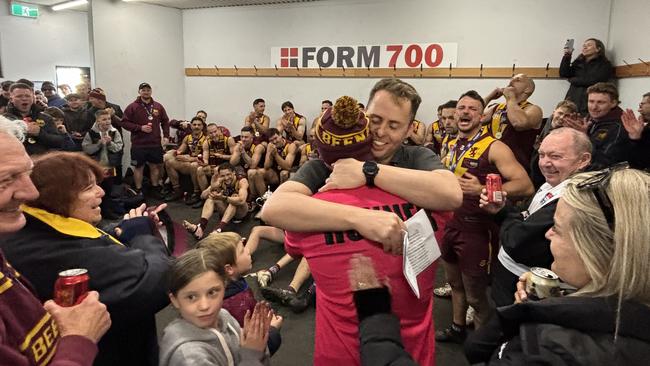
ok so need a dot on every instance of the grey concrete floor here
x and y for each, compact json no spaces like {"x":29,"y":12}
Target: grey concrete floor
{"x":298,"y":329}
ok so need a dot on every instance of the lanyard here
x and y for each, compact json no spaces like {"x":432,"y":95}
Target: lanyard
{"x":455,"y":158}
{"x":546,"y":194}
{"x":194,"y":142}
{"x":149,"y":110}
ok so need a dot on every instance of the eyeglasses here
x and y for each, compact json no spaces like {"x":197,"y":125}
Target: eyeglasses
{"x":598,"y":184}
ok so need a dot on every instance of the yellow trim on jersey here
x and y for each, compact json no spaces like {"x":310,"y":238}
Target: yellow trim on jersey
{"x":34,"y":331}
{"x":7,"y":284}
{"x":481,"y":147}
{"x":67,"y":225}
{"x":49,"y":357}
{"x":198,"y":148}
{"x":435,"y":127}
{"x":496,"y":126}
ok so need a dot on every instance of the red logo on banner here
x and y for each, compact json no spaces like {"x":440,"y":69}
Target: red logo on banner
{"x":289,"y":57}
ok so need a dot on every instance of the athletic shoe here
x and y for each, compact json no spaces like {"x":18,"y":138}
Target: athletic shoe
{"x":194,"y":199}
{"x":198,"y":204}
{"x":281,"y":295}
{"x":286,"y":297}
{"x":300,"y":303}
{"x":443,"y":291}
{"x":264,"y":277}
{"x":451,"y":335}
{"x":175,"y":196}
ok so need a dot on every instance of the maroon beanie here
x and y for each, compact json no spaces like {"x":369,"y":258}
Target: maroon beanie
{"x":343,"y":139}
{"x":97,"y":93}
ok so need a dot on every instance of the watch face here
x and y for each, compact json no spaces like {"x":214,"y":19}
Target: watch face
{"x":370,"y":168}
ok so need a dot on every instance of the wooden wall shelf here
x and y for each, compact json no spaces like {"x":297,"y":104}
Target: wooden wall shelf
{"x":624,"y":71}
{"x":456,"y":72}
{"x":641,"y":69}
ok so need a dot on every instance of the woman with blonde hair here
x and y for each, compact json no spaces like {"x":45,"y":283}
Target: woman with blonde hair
{"x":600,"y":247}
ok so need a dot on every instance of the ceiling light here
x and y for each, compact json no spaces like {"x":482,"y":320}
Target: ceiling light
{"x":69,"y":4}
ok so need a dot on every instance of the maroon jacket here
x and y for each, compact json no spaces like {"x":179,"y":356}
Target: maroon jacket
{"x":20,"y":314}
{"x":136,"y":115}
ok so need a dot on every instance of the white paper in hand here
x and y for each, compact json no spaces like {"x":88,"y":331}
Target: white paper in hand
{"x":420,"y":248}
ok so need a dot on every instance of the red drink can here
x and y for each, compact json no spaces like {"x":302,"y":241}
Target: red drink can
{"x":493,"y":187}
{"x":71,"y":287}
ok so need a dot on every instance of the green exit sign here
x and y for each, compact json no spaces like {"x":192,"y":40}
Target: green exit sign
{"x":20,"y":10}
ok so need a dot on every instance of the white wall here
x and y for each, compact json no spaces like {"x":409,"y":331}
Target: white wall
{"x":486,"y":32}
{"x":135,"y":43}
{"x":31,"y":48}
{"x":630,"y":40}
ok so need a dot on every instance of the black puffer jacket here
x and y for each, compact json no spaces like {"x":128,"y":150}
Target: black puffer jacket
{"x":48,"y":138}
{"x":564,"y":331}
{"x":611,"y":143}
{"x":130,"y":278}
{"x":582,"y":74}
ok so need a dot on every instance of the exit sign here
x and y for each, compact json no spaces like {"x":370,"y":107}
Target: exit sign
{"x":20,"y":10}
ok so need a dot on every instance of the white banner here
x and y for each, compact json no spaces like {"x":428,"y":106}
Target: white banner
{"x":407,"y":55}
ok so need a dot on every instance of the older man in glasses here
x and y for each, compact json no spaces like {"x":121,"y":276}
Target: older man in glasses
{"x":562,"y":153}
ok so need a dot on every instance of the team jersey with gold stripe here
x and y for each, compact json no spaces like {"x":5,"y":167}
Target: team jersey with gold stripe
{"x":194,"y":144}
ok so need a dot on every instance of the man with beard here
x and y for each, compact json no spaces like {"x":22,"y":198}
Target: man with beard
{"x":308,"y":151}
{"x":248,"y":155}
{"x":42,"y":134}
{"x":450,"y":125}
{"x":470,"y":236}
{"x":145,"y":118}
{"x":517,"y":121}
{"x":281,"y":158}
{"x":219,"y":148}
{"x":226,"y":195}
{"x":184,"y":128}
{"x":258,"y":121}
{"x":187,"y":159}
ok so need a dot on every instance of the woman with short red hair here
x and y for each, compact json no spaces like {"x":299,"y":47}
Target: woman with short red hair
{"x":127,"y":267}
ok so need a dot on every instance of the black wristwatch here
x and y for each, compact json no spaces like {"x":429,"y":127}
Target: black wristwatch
{"x":370,"y":170}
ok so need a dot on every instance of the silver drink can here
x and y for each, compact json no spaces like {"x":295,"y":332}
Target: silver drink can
{"x":542,"y":283}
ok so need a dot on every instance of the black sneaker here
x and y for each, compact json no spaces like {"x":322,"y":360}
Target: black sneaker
{"x":175,"y":196}
{"x":166,"y":189}
{"x":282,"y":295}
{"x":451,"y":335}
{"x":194,"y":199}
{"x":301,"y":303}
{"x":198,"y":204}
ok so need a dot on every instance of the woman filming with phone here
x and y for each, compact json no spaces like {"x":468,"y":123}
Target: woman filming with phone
{"x":599,"y":245}
{"x":589,"y":68}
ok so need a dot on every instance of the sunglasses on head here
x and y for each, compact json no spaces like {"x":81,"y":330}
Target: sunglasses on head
{"x":597,"y":184}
